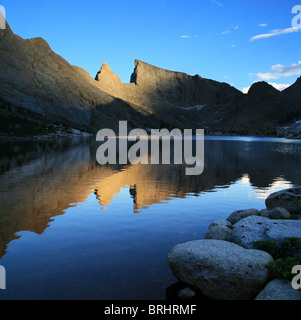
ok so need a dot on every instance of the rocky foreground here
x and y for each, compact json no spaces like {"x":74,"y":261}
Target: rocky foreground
{"x":227,"y":265}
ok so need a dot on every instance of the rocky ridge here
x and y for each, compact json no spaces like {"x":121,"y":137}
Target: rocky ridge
{"x":215,"y":106}
{"x":52,"y":92}
{"x":40,"y":88}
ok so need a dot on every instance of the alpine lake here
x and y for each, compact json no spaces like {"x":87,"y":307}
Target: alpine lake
{"x":71,"y":228}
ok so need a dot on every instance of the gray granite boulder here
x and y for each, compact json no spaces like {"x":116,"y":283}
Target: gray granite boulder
{"x":254,"y":228}
{"x":221,"y":223}
{"x":290,"y":199}
{"x":278,"y":213}
{"x":220,"y":269}
{"x":241,"y":214}
{"x":219,"y":230}
{"x":264,"y":213}
{"x":279,"y":290}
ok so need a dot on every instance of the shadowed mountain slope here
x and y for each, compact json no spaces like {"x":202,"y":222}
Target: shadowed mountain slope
{"x":37,"y":83}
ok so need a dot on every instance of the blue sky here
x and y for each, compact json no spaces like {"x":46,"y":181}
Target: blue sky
{"x":233,"y":41}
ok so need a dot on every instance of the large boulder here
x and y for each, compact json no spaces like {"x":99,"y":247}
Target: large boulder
{"x":220,"y":269}
{"x":279,"y":290}
{"x":254,"y":228}
{"x":241,"y":214}
{"x":289,"y":199}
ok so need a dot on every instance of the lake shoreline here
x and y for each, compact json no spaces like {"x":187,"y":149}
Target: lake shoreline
{"x":53,"y":136}
{"x":234,"y":253}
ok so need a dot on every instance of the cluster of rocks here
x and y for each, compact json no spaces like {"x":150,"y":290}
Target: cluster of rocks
{"x":292,"y":131}
{"x":61,"y":131}
{"x":224,"y":265}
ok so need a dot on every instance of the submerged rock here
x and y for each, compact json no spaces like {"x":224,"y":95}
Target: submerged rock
{"x":186,"y":294}
{"x":220,"y":269}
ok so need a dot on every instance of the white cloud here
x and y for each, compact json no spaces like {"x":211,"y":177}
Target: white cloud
{"x":262,"y":25}
{"x":217,"y":3}
{"x":267,"y":76}
{"x":236,"y":27}
{"x":277,"y":66}
{"x":279,"y":86}
{"x":276,"y":32}
{"x":185,"y":36}
{"x":245,"y":90}
{"x":279,"y":71}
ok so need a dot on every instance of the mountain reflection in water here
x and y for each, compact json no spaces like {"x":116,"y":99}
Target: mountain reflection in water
{"x":40,"y":180}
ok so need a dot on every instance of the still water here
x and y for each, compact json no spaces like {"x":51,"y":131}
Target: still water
{"x":72,"y":229}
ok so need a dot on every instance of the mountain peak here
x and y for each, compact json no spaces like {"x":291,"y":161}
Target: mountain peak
{"x":105,"y":66}
{"x":298,"y":81}
{"x":262,"y":87}
{"x":108,"y":80}
{"x":6,"y":33}
{"x":294,"y":91}
{"x":104,"y":71}
{"x":142,"y":69}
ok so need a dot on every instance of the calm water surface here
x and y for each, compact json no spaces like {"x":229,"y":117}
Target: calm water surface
{"x":71,"y":229}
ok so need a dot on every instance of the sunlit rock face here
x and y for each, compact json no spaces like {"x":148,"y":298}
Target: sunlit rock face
{"x":175,"y":97}
{"x":181,"y":89}
{"x":213,"y":105}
